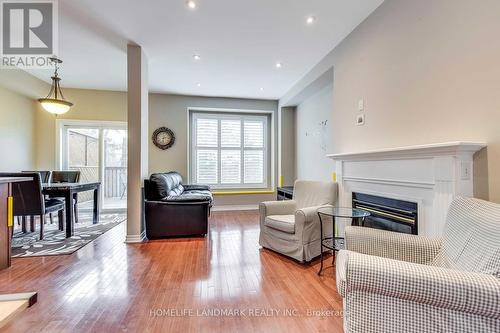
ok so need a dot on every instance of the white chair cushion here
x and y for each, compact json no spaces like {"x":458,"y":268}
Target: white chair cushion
{"x":285,"y":223}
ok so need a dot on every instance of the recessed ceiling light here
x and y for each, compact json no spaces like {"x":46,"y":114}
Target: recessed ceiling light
{"x":196,"y":57}
{"x":261,"y":89}
{"x":198,"y":84}
{"x":310,"y":20}
{"x":279,"y":65}
{"x":191,"y":4}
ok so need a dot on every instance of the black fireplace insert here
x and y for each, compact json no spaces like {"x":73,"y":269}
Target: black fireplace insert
{"x":388,"y":214}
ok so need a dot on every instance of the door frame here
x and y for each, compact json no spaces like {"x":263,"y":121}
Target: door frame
{"x":61,"y":153}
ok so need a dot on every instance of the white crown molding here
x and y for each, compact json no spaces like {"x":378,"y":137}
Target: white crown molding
{"x":435,"y":149}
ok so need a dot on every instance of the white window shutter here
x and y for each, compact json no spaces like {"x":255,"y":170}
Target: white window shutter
{"x":229,"y":150}
{"x":207,"y":132}
{"x":230,"y":133}
{"x":254,"y":166}
{"x":230,"y":166}
{"x":254,"y":133}
{"x":207,"y":164}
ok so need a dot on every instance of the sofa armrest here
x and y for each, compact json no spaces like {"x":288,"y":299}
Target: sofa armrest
{"x":195,"y":187}
{"x":441,"y":287}
{"x":308,"y":226}
{"x":285,"y":207}
{"x":393,"y":245}
{"x":309,"y":214}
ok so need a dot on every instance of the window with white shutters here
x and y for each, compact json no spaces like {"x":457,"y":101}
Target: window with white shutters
{"x":229,"y":150}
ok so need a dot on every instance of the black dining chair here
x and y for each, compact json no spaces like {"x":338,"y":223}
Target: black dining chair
{"x":45,"y":178}
{"x":29,"y":200}
{"x":44,"y":175}
{"x":67,"y":177}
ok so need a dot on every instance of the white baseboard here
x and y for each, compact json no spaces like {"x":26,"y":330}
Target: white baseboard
{"x":130,"y":239}
{"x":234,"y":207}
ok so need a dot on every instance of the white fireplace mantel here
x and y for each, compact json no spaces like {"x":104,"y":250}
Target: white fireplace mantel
{"x":431,"y":175}
{"x":435,"y":149}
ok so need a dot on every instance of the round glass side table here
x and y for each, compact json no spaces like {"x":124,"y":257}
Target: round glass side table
{"x":334,"y":243}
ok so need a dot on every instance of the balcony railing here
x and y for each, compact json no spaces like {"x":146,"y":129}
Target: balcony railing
{"x":114,"y":184}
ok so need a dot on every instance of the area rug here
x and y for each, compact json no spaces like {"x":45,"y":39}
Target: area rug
{"x":55,"y":242}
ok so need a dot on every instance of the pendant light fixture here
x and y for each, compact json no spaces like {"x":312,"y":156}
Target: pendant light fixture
{"x":55,"y":102}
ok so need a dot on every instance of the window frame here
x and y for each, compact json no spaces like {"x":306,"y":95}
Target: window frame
{"x":264,"y":116}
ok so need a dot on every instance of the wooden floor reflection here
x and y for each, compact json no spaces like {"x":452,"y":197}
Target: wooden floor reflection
{"x":222,"y":283}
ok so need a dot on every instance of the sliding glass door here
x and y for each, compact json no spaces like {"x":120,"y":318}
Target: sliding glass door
{"x":115,"y":168}
{"x":99,"y":152}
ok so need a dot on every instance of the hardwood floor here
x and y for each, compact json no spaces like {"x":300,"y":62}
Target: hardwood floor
{"x":165,"y":286}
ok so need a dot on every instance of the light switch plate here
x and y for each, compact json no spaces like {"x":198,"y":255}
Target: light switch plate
{"x":465,"y":171}
{"x":361,"y":105}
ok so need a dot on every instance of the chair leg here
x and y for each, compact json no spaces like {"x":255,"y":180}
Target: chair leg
{"x":32,"y":223}
{"x":51,"y":218}
{"x":60,"y":218}
{"x":23,"y":224}
{"x":42,"y":222}
{"x":75,"y":205}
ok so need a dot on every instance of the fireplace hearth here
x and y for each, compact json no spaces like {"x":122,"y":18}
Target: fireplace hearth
{"x":388,"y":214}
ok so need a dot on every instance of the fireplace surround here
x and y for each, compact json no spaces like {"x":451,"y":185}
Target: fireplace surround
{"x":430,"y":176}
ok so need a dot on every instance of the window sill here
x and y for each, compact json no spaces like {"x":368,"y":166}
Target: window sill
{"x":242,"y":192}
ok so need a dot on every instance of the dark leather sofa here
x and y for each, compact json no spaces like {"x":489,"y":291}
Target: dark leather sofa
{"x":173,"y":209}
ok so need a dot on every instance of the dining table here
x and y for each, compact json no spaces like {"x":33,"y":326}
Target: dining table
{"x":68,"y":191}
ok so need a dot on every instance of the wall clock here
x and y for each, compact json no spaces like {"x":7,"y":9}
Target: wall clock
{"x":163,"y":138}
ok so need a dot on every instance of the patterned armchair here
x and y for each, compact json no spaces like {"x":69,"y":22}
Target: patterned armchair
{"x":392,"y":282}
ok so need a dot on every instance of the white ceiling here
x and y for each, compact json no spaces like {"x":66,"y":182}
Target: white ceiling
{"x":239,"y":43}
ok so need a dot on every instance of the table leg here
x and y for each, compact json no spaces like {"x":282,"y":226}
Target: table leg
{"x":96,"y":206}
{"x":68,"y":204}
{"x":321,"y":241}
{"x":334,"y":240}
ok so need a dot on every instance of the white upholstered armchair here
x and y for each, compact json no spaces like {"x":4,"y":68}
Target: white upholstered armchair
{"x":392,"y":282}
{"x":292,"y":227}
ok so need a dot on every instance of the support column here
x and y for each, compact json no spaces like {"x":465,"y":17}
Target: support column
{"x":137,"y":124}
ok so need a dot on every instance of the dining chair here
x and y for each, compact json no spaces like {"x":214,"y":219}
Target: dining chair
{"x":44,"y":175}
{"x":45,"y":178}
{"x":29,"y":200}
{"x":67,"y":177}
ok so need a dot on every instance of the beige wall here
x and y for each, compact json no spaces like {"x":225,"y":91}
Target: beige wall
{"x":88,"y":105}
{"x":164,"y":110}
{"x":311,"y":136}
{"x":17,"y":125}
{"x":171,"y":111}
{"x":429,"y":72}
